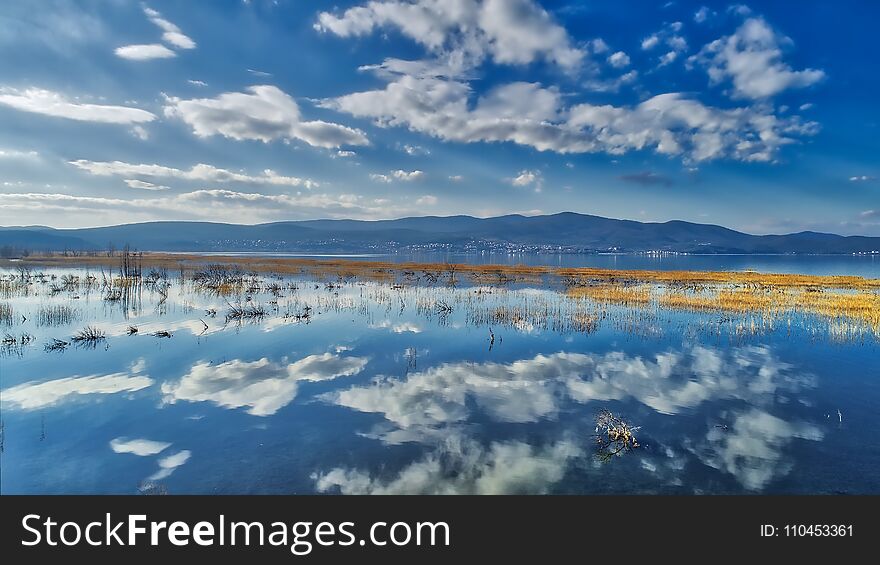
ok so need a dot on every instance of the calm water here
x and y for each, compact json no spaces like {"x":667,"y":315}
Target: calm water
{"x":384,"y":390}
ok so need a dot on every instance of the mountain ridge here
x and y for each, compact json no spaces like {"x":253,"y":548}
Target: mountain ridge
{"x":564,"y":232}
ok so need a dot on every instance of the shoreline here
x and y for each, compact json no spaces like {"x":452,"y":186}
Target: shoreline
{"x":383,"y":269}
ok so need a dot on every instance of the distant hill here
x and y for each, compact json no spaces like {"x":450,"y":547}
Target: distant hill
{"x":566,"y":232}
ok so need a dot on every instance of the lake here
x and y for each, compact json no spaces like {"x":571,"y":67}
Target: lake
{"x":309,"y":383}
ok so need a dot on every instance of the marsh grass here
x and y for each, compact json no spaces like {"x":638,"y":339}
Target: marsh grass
{"x":6,"y":313}
{"x":89,"y":334}
{"x":523,"y":298}
{"x":57,"y":315}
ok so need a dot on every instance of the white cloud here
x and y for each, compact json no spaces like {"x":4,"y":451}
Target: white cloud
{"x":527,"y":114}
{"x":265,"y":113}
{"x":206,"y":204}
{"x":140,"y":447}
{"x":862,"y":178}
{"x":16,"y":154}
{"x":618,"y":60}
{"x":144,"y":52}
{"x":36,"y":395}
{"x":198,"y":173}
{"x":526,"y":178}
{"x":408,"y":176}
{"x":401,"y":175}
{"x":599,"y":46}
{"x":343,"y":153}
{"x":140,"y":132}
{"x":751,"y":58}
{"x":49,"y":103}
{"x":144,"y":185}
{"x":427,"y":200}
{"x":650,"y":42}
{"x":415,"y":150}
{"x":456,"y":178}
{"x":510,"y":31}
{"x":195,"y":82}
{"x":264,"y":387}
{"x":668,"y":58}
{"x":703,"y":14}
{"x":172,"y":34}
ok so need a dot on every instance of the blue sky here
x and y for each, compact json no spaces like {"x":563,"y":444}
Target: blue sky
{"x":759,"y":117}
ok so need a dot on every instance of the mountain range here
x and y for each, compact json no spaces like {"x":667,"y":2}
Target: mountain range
{"x":565,"y":232}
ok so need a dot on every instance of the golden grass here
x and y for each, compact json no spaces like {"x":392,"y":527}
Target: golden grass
{"x":382,"y":270}
{"x":841,"y":298}
{"x":613,"y":294}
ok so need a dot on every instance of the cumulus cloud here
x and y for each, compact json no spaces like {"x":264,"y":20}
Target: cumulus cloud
{"x":529,"y":114}
{"x":650,"y":42}
{"x":463,"y":466}
{"x":751,"y":59}
{"x":262,"y":386}
{"x":427,"y":200}
{"x":672,"y":124}
{"x":264,"y":113}
{"x":509,"y":31}
{"x":140,"y":447}
{"x":49,"y":103}
{"x":37,"y":395}
{"x":414,"y":150}
{"x":527,"y":178}
{"x":703,"y":14}
{"x":197,"y":173}
{"x":618,"y":60}
{"x":408,"y":176}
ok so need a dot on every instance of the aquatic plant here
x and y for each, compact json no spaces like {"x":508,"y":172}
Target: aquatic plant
{"x":89,"y":334}
{"x":614,"y":436}
{"x":57,"y":315}
{"x":5,"y":313}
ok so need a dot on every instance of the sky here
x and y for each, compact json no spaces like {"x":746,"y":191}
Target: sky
{"x":761,"y":117}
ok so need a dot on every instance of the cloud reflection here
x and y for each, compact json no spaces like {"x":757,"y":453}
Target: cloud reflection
{"x":753,"y":448}
{"x":463,"y":466}
{"x":531,"y":389}
{"x":263,"y":386}
{"x":36,"y":395}
{"x":140,"y":447}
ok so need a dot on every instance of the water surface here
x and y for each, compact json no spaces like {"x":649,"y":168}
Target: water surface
{"x":373,"y":387}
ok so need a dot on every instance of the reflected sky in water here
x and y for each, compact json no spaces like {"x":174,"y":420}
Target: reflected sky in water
{"x":379,"y":391}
